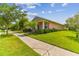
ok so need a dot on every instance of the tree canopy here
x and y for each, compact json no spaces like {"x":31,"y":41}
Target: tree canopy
{"x":10,"y":14}
{"x":73,"y":24}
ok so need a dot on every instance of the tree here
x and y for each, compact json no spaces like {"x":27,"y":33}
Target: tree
{"x":22,"y":23}
{"x":70,"y":23}
{"x":6,"y":15}
{"x":23,"y":20}
{"x":9,"y":14}
{"x":73,"y":23}
{"x":32,"y":25}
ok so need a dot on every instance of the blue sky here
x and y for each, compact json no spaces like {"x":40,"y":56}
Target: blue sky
{"x":58,"y":12}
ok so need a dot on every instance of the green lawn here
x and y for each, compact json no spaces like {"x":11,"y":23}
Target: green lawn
{"x":13,"y":46}
{"x":63,"y":39}
{"x":0,"y":30}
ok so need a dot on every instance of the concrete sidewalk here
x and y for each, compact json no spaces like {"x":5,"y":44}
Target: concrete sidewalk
{"x":43,"y":48}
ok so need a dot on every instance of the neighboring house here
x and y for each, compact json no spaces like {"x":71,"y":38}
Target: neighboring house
{"x":42,"y":23}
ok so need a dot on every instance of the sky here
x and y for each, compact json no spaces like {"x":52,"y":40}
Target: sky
{"x":58,"y":12}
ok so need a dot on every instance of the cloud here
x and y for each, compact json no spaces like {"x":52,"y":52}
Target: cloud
{"x":43,"y":12}
{"x":24,"y":10}
{"x":64,"y":4}
{"x":32,"y":5}
{"x":37,"y":4}
{"x":52,"y":4}
{"x":59,"y":10}
{"x":32,"y":13}
{"x":49,"y":11}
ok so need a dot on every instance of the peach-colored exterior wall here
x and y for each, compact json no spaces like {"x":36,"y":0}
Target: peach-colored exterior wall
{"x":51,"y":25}
{"x":56,"y":26}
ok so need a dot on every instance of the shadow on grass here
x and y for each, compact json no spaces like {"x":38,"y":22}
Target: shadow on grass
{"x":73,"y":38}
{"x":27,"y":34}
{"x":21,"y":35}
{"x":4,"y":36}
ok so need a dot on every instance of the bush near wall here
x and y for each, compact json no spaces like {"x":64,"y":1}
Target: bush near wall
{"x":41,"y":31}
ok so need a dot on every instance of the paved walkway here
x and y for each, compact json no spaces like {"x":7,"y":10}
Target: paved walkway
{"x":43,"y":48}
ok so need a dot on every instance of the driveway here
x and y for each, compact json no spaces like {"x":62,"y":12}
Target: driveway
{"x":43,"y":48}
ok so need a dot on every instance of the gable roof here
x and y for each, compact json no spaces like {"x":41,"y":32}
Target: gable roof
{"x":38,"y":18}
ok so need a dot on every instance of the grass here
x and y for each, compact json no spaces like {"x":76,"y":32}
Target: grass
{"x":63,"y":39}
{"x":12,"y":46}
{"x":0,"y":30}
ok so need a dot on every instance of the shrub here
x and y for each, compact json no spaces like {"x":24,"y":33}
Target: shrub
{"x":40,"y":31}
{"x":27,"y":30}
{"x":54,"y":30}
{"x":47,"y":30}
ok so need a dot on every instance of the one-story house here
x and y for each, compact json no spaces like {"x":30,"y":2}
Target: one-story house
{"x":42,"y":23}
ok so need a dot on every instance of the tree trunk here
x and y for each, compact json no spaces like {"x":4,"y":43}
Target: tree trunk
{"x":77,"y":36}
{"x":6,"y":31}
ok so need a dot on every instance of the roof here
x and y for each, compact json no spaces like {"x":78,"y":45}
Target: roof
{"x":38,"y":18}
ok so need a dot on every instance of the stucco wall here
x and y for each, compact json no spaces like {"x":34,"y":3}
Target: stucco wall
{"x":56,"y":26}
{"x":51,"y":25}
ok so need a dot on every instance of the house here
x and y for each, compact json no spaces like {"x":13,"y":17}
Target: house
{"x":42,"y":23}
